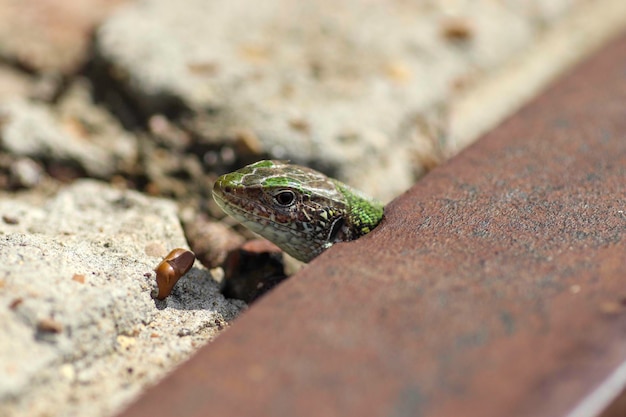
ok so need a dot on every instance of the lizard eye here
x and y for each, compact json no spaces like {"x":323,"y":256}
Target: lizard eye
{"x":285,"y":198}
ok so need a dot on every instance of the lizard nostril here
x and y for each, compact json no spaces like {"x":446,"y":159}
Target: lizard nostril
{"x":228,"y":189}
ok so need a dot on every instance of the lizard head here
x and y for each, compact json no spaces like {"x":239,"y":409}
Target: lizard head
{"x":299,"y":209}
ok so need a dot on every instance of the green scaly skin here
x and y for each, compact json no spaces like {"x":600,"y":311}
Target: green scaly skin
{"x":300,"y":210}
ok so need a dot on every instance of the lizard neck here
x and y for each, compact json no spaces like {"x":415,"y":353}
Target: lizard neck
{"x":363,"y":213}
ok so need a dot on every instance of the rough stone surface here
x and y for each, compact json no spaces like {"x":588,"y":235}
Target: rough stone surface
{"x":13,"y":83}
{"x":80,"y":332}
{"x":360,"y":88}
{"x":76,"y":133}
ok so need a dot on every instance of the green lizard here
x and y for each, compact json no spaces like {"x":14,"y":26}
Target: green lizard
{"x":300,"y":210}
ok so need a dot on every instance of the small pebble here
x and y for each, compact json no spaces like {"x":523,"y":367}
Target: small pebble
{"x":25,"y":173}
{"x":300,"y":125}
{"x":10,"y":219}
{"x":125,"y":342}
{"x":48,"y":325}
{"x":16,"y":303}
{"x":68,"y":372}
{"x":457,"y":29}
{"x":80,"y":278}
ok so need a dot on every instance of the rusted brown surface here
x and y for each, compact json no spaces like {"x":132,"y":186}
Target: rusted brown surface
{"x":494,"y":287}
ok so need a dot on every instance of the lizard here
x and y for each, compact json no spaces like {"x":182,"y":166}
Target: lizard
{"x":300,"y":210}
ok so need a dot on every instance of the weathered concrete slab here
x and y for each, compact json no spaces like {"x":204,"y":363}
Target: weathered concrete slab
{"x":81,"y":334}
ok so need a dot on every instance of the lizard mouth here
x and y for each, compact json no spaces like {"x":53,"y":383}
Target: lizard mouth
{"x":218,"y":196}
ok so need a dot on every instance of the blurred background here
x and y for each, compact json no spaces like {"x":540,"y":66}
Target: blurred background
{"x":164,"y":97}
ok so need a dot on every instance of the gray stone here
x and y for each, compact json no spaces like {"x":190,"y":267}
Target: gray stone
{"x":81,"y":334}
{"x":75,"y":132}
{"x":25,"y":173}
{"x":13,"y":83}
{"x":358,"y":88}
